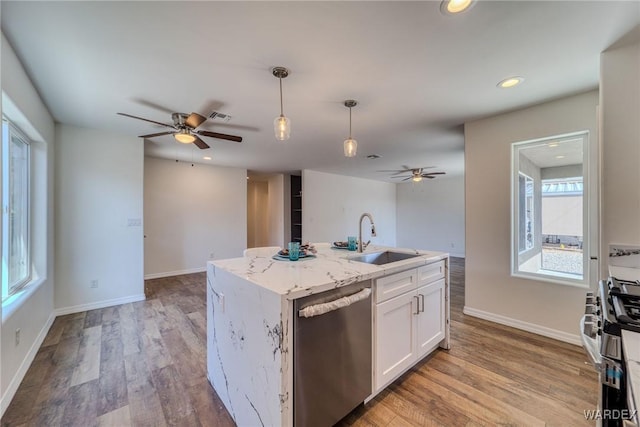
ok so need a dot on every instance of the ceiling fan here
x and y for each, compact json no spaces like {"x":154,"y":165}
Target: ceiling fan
{"x":417,"y":174}
{"x":184,"y":129}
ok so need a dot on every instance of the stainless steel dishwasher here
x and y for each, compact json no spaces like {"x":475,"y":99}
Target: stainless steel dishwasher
{"x":332,"y":354}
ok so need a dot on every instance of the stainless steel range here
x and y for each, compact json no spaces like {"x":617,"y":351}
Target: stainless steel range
{"x":616,"y":307}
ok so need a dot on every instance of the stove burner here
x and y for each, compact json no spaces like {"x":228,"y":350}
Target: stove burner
{"x":624,"y":299}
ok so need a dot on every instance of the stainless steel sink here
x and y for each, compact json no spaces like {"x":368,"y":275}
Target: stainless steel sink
{"x":381,"y":258}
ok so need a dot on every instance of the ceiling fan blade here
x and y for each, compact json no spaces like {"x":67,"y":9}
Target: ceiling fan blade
{"x":151,"y":135}
{"x":200,"y":143}
{"x":194,"y":120}
{"x":407,"y":178}
{"x":428,"y":176}
{"x":434,"y":173}
{"x":146,"y":120}
{"x":219,"y":135}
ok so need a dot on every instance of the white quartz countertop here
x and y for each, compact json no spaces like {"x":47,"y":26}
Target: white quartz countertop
{"x":331,"y":268}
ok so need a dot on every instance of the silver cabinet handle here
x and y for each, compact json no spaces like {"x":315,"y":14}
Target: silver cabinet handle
{"x":422,"y":299}
{"x":417,"y":304}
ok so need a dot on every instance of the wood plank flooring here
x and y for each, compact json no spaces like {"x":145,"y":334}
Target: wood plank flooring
{"x":144,"y":364}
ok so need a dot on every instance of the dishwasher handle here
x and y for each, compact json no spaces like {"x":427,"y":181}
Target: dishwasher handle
{"x":319,"y":309}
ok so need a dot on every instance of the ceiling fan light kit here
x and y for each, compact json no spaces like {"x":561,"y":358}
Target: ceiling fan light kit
{"x":417,"y":174}
{"x":281,"y":124}
{"x":350,"y":144}
{"x":184,"y":129}
{"x":184,"y":137}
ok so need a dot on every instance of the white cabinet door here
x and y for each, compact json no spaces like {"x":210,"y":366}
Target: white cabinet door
{"x":430,"y":322}
{"x":395,"y":337}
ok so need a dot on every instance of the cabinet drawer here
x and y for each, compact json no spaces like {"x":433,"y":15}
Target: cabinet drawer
{"x":431,"y":272}
{"x":395,"y":284}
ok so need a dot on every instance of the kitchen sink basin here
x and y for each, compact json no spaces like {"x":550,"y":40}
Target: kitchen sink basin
{"x":381,"y":258}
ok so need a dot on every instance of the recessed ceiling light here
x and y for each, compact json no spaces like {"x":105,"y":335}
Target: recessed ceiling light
{"x":510,"y":82}
{"x":373,"y":156}
{"x":560,"y":157}
{"x":207,"y":158}
{"x":452,"y":7}
{"x":552,"y":144}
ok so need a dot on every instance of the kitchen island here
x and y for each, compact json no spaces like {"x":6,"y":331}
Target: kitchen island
{"x":250,"y":320}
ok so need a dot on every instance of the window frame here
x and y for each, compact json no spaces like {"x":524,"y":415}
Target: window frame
{"x":588,"y":238}
{"x":9,"y":133}
{"x":526,"y":198}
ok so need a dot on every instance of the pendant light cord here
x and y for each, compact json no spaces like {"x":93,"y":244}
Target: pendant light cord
{"x":281,"y":109}
{"x":350,"y":123}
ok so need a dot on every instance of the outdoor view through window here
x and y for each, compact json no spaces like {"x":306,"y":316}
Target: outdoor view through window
{"x":548,"y":206}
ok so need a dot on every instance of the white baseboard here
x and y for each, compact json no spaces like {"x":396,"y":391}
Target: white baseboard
{"x":174,"y":273}
{"x":100,"y":304}
{"x":24,"y":366}
{"x":525,"y":326}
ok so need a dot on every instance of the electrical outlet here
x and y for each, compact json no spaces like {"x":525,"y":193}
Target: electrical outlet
{"x":453,"y":245}
{"x":94,"y":283}
{"x":134,"y":222}
{"x":17,"y":336}
{"x":211,"y":255}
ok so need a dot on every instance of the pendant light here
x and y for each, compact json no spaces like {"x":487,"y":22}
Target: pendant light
{"x":350,"y":144}
{"x":281,"y":125}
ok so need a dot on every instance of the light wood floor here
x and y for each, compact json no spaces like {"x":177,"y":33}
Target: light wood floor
{"x":143,"y":364}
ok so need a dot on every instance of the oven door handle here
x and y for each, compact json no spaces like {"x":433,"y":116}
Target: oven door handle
{"x":590,"y":345}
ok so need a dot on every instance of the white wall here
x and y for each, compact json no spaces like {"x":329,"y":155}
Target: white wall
{"x":98,"y":193}
{"x":191,"y":212}
{"x":430,"y":215}
{"x":22,"y":104}
{"x":491,"y":292}
{"x":562,"y":215}
{"x":332,"y":205}
{"x":620,"y":113}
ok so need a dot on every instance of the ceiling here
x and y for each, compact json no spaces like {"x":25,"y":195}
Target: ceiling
{"x":417,"y":74}
{"x":555,"y":153}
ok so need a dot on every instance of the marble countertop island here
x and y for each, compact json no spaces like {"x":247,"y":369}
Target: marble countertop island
{"x":250,"y":322}
{"x":331,"y":268}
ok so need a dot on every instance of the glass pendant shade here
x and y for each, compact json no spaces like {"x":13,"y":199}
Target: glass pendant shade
{"x":350,"y":147}
{"x":350,"y":144}
{"x":282,"y":128}
{"x":184,"y":137}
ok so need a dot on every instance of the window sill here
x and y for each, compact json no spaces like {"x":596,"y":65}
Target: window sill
{"x":15,"y":301}
{"x":557,"y":278}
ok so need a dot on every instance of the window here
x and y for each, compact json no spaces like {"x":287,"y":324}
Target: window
{"x":550,"y":219}
{"x":525,"y":206}
{"x":16,"y":243}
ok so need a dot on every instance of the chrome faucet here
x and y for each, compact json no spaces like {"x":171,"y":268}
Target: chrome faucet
{"x":373,"y":229}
